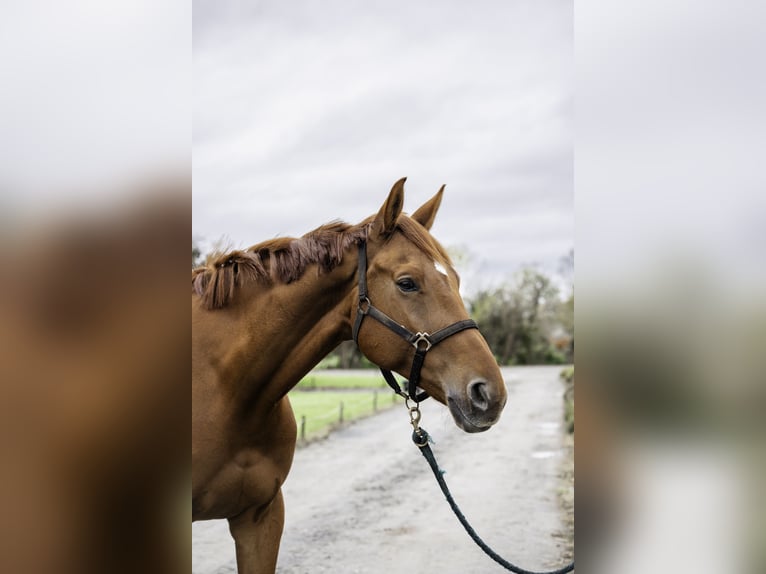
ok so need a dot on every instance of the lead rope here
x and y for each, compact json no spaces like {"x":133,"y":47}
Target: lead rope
{"x":421,"y":439}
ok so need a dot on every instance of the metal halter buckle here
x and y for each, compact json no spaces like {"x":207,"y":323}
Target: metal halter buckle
{"x":364,"y":305}
{"x":422,"y":337}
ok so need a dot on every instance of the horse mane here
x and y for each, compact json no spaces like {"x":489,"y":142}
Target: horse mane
{"x":282,"y":260}
{"x":285,"y":259}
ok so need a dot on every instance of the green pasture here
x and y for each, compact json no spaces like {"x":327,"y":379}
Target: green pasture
{"x":341,"y":381}
{"x":322,"y":409}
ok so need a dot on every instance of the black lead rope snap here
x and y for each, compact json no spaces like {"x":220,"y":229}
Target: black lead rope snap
{"x":420,"y":437}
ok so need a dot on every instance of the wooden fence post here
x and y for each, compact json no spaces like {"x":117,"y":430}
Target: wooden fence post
{"x":341,"y":412}
{"x":303,"y":427}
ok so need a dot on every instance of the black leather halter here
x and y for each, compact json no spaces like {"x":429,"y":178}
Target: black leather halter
{"x":423,"y":342}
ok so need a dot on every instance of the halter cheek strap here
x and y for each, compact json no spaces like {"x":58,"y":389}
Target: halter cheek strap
{"x":422,"y":341}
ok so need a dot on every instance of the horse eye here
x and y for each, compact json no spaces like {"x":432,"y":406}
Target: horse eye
{"x":407,"y":285}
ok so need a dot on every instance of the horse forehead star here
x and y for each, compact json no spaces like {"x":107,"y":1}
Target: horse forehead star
{"x":441,"y":269}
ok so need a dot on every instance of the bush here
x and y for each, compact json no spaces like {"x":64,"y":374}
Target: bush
{"x":567,"y":375}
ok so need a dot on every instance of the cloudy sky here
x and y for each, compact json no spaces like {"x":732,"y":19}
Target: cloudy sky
{"x":308,"y":111}
{"x":94,"y":93}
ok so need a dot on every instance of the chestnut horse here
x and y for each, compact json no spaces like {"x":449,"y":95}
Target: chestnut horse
{"x":263,"y":317}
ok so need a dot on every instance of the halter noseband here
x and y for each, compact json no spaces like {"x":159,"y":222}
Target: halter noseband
{"x":423,"y":342}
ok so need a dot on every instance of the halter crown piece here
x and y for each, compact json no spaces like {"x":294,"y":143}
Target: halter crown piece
{"x":423,"y":342}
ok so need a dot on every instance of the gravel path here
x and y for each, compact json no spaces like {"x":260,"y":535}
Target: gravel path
{"x":365,"y":501}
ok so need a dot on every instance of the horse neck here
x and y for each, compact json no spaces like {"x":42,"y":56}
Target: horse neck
{"x":296,"y":325}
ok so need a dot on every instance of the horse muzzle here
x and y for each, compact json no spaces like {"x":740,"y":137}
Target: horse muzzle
{"x":479,"y":408}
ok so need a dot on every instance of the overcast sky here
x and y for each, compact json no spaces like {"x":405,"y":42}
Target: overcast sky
{"x":93,"y":94}
{"x":308,"y":111}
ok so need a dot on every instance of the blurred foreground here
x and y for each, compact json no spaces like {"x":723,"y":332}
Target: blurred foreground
{"x":94,"y":401}
{"x":670,"y":429}
{"x":671,"y":278}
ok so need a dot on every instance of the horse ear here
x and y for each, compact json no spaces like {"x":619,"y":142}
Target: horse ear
{"x":385,"y":221}
{"x":426,"y":214}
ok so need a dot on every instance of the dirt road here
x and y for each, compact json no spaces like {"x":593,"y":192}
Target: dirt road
{"x":364,"y":500}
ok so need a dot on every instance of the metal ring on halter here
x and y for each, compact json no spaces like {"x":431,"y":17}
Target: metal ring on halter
{"x":364,"y":305}
{"x":422,"y":338}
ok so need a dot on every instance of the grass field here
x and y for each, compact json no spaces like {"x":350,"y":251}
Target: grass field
{"x":322,"y":409}
{"x":340,"y":380}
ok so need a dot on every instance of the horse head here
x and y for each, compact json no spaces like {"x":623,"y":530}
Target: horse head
{"x":409,"y":279}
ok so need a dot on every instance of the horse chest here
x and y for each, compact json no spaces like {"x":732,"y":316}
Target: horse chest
{"x":251,"y":478}
{"x":242,"y":464}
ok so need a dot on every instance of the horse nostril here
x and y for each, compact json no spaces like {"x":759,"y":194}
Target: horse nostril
{"x":479,"y":395}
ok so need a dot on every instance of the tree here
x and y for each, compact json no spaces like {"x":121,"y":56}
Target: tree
{"x":519,"y":319}
{"x":566,"y":310}
{"x":348,"y":356}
